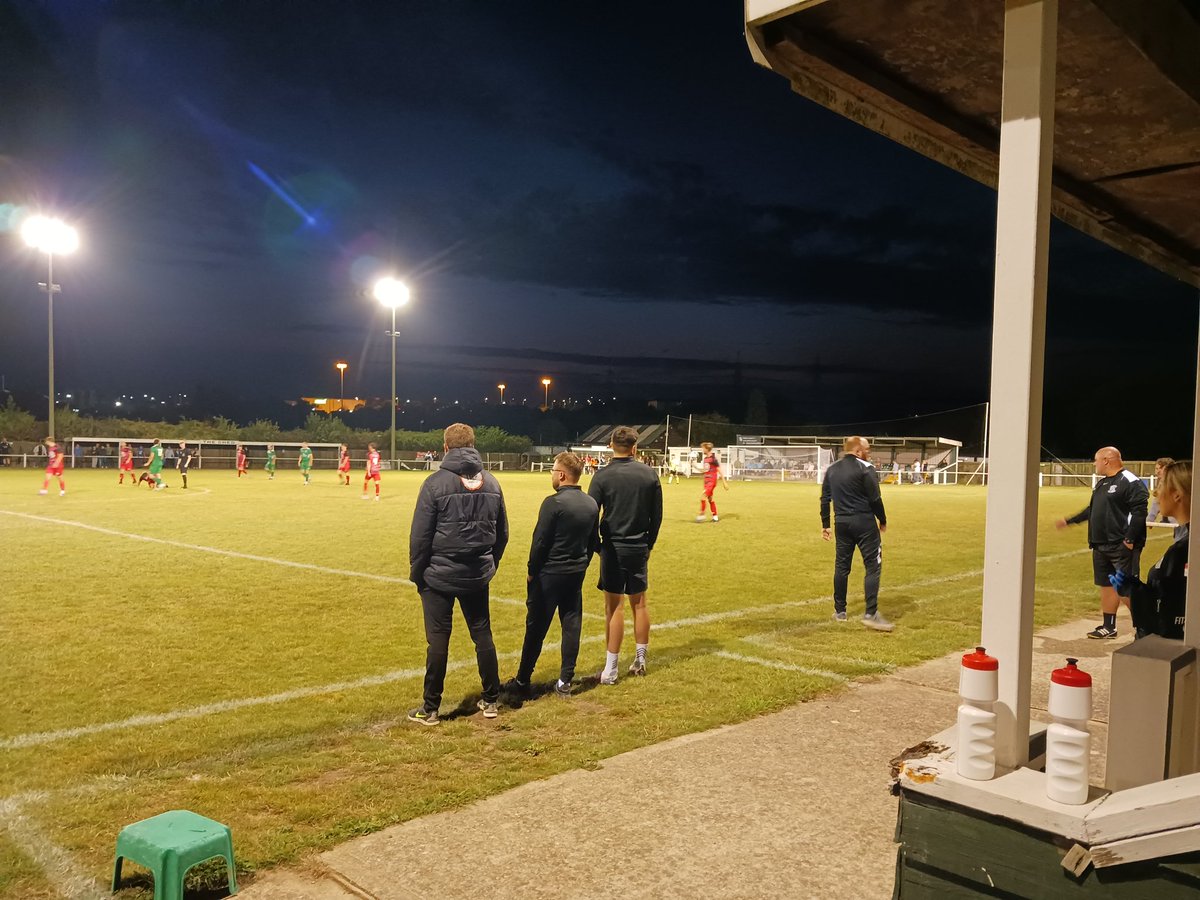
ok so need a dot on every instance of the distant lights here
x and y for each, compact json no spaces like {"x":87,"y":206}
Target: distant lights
{"x":118,"y":403}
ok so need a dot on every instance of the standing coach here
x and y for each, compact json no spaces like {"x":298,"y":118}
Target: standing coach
{"x":853,"y":487}
{"x":1116,"y":517}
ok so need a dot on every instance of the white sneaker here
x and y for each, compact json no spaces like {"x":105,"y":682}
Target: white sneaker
{"x":365,"y":497}
{"x":608,"y":677}
{"x":716,"y":519}
{"x":376,"y":498}
{"x":43,"y":492}
{"x":699,"y":518}
{"x":62,"y":493}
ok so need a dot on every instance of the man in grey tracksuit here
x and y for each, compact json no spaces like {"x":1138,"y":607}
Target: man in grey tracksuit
{"x":853,"y":487}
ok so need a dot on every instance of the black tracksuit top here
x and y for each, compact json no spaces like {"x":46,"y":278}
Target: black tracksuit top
{"x":630,"y":496}
{"x":853,"y":486}
{"x":564,"y":538}
{"x":1159,"y":604}
{"x":1116,"y":512}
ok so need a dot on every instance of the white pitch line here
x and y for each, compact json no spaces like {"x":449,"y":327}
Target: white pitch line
{"x":60,"y":867}
{"x":787,"y":667}
{"x":312,"y":567}
{"x":48,"y":737}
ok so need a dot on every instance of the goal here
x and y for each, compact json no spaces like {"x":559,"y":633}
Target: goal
{"x":795,"y":462}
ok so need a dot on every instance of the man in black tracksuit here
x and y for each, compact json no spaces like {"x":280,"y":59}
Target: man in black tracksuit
{"x":629,"y":495}
{"x":853,"y":487}
{"x":564,"y":541}
{"x":1116,"y":517}
{"x":459,"y":532}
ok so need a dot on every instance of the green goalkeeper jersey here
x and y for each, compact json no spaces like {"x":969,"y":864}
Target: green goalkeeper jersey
{"x":305,"y":458}
{"x":270,"y":460}
{"x":156,"y":459}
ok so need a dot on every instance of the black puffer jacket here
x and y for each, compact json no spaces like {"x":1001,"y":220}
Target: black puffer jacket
{"x":459,"y":528}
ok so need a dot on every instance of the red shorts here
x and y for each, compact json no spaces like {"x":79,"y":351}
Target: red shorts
{"x":344,"y":468}
{"x":127,"y":466}
{"x":54,"y":470}
{"x":371,"y":475}
{"x":709,"y":487}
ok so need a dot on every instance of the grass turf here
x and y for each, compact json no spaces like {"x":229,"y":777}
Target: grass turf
{"x":100,"y":627}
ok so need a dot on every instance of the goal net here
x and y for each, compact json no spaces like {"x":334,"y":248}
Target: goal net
{"x":796,"y":462}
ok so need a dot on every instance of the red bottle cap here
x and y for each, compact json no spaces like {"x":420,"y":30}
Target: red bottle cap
{"x":980,"y":661}
{"x":1070,"y":676}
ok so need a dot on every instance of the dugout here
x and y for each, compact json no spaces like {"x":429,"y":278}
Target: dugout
{"x":1090,"y":110}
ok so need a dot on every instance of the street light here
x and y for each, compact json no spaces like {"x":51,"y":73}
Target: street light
{"x":50,"y":236}
{"x":392,"y":293}
{"x":502,"y":387}
{"x":342,"y":366}
{"x":546,"y":385}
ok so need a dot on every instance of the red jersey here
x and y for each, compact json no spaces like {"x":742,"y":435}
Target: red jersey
{"x":344,"y":465}
{"x":57,"y":460}
{"x":241,"y":459}
{"x":373,"y":462}
{"x":126,"y":457}
{"x":713,"y":470}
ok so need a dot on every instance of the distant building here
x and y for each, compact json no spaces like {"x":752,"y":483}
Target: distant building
{"x":333,"y":404}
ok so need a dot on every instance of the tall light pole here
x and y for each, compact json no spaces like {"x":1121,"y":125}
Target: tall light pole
{"x":392,"y":293}
{"x":341,"y":365}
{"x":50,"y":236}
{"x":546,"y":386}
{"x":502,"y":386}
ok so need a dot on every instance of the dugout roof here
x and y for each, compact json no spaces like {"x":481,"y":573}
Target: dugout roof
{"x":927,"y":74}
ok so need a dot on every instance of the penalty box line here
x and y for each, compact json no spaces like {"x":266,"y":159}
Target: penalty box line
{"x":252,"y":557}
{"x":34,"y":739}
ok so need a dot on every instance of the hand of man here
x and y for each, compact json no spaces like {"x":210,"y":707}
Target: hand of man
{"x":1118,"y":579}
{"x":529,"y":579}
{"x":883,"y":529}
{"x":1060,"y":524}
{"x":1128,"y":545}
{"x":826,"y":534}
{"x":725,"y":484}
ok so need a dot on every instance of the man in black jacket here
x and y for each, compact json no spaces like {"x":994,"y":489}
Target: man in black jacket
{"x":629,"y":495}
{"x":459,"y":532}
{"x":1116,"y":517}
{"x":564,"y":541}
{"x":853,"y":487}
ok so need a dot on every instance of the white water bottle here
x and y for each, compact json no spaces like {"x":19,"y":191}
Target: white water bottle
{"x":1068,"y":743}
{"x":978,"y":688}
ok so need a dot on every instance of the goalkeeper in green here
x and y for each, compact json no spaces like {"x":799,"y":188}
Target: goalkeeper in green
{"x":305,"y":462}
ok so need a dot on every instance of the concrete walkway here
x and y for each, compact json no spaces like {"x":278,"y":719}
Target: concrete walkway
{"x":793,"y":804}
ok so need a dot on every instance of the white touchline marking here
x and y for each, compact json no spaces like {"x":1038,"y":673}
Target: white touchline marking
{"x":60,"y":867}
{"x":49,"y":737}
{"x":312,"y":567}
{"x":773,"y":664}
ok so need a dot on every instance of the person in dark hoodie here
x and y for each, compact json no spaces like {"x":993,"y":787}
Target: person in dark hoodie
{"x":459,"y":532}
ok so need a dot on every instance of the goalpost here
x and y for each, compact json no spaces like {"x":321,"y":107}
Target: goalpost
{"x":794,"y":462}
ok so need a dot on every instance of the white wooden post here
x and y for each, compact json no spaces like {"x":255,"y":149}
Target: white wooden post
{"x":1018,"y":358}
{"x":1191,"y":627}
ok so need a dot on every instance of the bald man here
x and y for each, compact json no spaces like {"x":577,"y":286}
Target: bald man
{"x":1116,"y":517}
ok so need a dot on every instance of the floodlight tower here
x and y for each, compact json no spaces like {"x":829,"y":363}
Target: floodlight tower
{"x":392,"y":293}
{"x":341,"y":365}
{"x":546,"y":387}
{"x":502,"y":386}
{"x":50,"y":236}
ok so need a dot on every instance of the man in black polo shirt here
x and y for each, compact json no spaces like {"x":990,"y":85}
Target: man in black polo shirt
{"x":629,"y":495}
{"x":853,"y":487}
{"x":564,"y":541}
{"x":1116,"y":517}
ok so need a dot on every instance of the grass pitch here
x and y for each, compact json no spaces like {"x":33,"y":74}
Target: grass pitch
{"x":206,"y":670}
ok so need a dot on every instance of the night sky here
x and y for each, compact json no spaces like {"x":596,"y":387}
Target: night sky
{"x":611,"y":194}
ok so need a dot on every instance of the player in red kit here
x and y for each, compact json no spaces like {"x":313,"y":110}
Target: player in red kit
{"x":126,"y":465}
{"x":241,"y":461}
{"x":344,"y":466}
{"x":712,"y":474}
{"x":54,"y":469}
{"x":372,"y":470}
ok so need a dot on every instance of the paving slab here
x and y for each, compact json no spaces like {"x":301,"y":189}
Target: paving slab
{"x":792,"y":804}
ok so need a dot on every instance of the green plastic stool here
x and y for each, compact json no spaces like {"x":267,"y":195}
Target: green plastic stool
{"x":171,"y":843}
